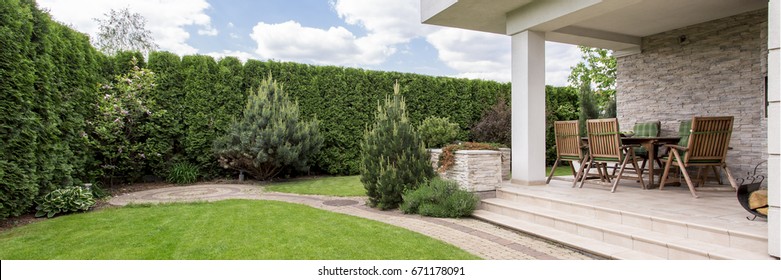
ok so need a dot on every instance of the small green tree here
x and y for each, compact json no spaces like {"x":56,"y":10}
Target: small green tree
{"x":270,"y":136}
{"x":598,"y":69}
{"x":393,"y":158}
{"x":438,"y":132}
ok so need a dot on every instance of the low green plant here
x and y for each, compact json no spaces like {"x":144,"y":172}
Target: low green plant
{"x":438,"y":132}
{"x":70,"y":199}
{"x":439,"y":198}
{"x":182,"y":173}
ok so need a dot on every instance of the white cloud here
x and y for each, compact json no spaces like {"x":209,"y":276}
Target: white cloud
{"x":208,"y":31}
{"x":166,"y":19}
{"x":559,"y":60}
{"x":474,"y":54}
{"x":243,"y":56}
{"x":336,"y":45}
{"x":386,"y":29}
{"x":230,"y":24}
{"x":390,"y":22}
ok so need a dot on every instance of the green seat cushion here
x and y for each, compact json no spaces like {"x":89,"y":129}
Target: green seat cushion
{"x":570,"y":157}
{"x":684,"y":130}
{"x":647,"y":129}
{"x":607,"y":159}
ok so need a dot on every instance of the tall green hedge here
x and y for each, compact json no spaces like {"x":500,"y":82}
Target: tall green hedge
{"x":165,"y":131}
{"x":344,"y":99}
{"x":47,"y":78}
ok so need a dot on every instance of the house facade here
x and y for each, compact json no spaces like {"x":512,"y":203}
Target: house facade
{"x":675,"y":59}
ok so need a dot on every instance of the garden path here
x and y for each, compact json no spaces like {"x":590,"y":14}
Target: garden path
{"x":482,"y":239}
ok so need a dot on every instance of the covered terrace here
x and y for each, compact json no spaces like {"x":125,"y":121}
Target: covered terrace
{"x":676,"y":59}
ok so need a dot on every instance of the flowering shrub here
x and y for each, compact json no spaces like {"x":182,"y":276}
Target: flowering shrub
{"x":116,"y":134}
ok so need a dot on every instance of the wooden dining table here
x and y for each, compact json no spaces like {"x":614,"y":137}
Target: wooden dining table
{"x":651,"y":144}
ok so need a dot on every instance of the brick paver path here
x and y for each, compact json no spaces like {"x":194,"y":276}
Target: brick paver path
{"x":477,"y":237}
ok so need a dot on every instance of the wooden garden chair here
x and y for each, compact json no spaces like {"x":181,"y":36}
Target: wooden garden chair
{"x":707,"y":145}
{"x":569,"y":147}
{"x":604,"y":143}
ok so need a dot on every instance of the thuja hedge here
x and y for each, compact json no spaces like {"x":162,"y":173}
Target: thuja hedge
{"x":345,"y":99}
{"x":48,"y":74}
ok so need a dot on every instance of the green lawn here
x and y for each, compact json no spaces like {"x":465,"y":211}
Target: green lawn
{"x":230,"y":229}
{"x":333,"y":186}
{"x":560,"y":171}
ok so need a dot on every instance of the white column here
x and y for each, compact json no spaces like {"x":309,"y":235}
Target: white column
{"x":528,"y":106}
{"x":774,"y":127}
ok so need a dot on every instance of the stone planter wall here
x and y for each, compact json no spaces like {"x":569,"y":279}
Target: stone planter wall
{"x":474,"y":170}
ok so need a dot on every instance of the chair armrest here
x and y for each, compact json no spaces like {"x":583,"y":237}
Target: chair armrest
{"x":676,"y":147}
{"x":631,"y":146}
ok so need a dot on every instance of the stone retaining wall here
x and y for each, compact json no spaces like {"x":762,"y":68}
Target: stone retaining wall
{"x":474,"y":170}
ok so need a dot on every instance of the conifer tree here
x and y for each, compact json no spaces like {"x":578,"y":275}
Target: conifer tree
{"x":270,"y":136}
{"x":393,"y":158}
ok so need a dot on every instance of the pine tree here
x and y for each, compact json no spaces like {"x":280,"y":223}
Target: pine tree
{"x":393,"y":158}
{"x":270,"y":136}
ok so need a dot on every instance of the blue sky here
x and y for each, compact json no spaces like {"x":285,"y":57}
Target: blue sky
{"x":371,"y":34}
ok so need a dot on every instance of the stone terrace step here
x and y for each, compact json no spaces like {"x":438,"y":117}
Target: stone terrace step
{"x":636,"y":236}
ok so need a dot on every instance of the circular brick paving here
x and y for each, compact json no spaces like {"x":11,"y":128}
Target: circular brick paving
{"x":340,"y":202}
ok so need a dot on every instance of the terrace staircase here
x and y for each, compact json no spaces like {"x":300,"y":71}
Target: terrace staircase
{"x":614,"y":233}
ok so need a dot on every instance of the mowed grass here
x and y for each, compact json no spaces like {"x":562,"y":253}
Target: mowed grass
{"x":560,"y":171}
{"x":333,"y":186}
{"x":225,"y":230}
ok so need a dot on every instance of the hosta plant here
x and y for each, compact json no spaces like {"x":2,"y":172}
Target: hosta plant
{"x":70,"y":199}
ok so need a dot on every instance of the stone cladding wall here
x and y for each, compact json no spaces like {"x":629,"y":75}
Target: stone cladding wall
{"x":718,"y":70}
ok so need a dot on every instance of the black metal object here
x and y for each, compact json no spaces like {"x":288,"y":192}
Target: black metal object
{"x":746,"y":186}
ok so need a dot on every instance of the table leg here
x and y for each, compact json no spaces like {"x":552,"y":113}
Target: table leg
{"x":649,"y":146}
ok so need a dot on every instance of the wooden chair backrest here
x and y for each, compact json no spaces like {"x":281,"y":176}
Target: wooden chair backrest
{"x":604,"y":141}
{"x":709,"y":139}
{"x":567,"y":135}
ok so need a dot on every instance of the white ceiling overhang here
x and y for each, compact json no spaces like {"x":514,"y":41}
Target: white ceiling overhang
{"x":618,"y":25}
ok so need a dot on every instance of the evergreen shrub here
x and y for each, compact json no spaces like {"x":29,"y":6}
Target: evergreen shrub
{"x":270,"y":136}
{"x":439,"y":198}
{"x":437,"y":132}
{"x":393,"y":158}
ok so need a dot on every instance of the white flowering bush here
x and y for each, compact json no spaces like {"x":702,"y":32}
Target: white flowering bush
{"x":116,"y":133}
